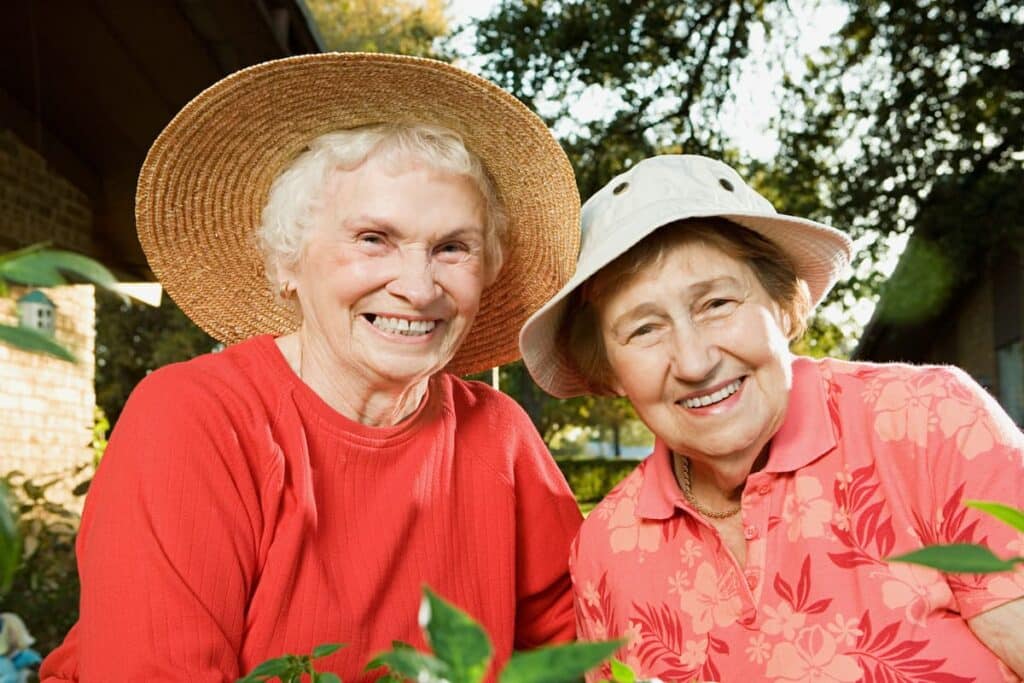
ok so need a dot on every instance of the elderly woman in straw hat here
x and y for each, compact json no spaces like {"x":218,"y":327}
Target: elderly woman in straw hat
{"x":363,"y":229}
{"x":752,"y":544}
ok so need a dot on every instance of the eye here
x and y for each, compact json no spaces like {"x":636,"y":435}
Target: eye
{"x":641,"y":331}
{"x":718,"y":303}
{"x":452,"y":251}
{"x":370,"y":238}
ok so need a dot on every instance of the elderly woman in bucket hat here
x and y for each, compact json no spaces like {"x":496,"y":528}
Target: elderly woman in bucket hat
{"x":363,"y":229}
{"x":752,"y":543}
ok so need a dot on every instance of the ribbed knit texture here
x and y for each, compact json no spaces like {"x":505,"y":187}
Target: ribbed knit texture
{"x":237,"y":517}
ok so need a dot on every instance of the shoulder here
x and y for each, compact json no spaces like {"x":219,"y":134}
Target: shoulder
{"x":938,"y":406}
{"x":886,"y":386}
{"x":476,"y":405}
{"x":235,"y":375}
{"x":619,"y":508}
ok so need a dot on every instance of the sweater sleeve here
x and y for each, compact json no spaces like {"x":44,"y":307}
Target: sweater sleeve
{"x":547,"y":521}
{"x":168,"y":544}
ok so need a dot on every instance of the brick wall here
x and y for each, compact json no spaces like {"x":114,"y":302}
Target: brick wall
{"x":37,"y":205}
{"x":46,"y":405}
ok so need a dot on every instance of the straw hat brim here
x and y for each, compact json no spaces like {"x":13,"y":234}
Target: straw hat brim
{"x":206,"y":179}
{"x":818,"y":252}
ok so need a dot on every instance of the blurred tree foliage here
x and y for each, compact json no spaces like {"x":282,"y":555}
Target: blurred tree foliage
{"x":406,"y":27}
{"x":911,"y":118}
{"x":662,"y":68}
{"x":914,"y":119}
{"x":132,"y":340}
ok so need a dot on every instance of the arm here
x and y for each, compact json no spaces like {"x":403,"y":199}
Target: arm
{"x":166,"y":551}
{"x":1002,"y":631}
{"x":976,"y":452}
{"x":547,"y":519}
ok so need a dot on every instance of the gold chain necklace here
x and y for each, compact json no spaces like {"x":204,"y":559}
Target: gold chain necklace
{"x":682,"y":466}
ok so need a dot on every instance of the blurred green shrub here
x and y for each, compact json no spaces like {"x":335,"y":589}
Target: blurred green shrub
{"x":44,"y":591}
{"x":592,"y":478}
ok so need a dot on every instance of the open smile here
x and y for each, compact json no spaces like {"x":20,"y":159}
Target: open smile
{"x":405,"y":327}
{"x":712,"y":397}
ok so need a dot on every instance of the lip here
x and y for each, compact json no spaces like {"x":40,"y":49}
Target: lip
{"x":715,"y":408}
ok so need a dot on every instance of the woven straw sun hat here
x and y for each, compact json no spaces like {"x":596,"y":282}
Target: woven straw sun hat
{"x":206,"y":179}
{"x":651,"y":194}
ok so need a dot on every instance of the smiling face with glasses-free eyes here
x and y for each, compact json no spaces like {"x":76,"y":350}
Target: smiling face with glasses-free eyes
{"x":391,"y":276}
{"x":699,"y":347}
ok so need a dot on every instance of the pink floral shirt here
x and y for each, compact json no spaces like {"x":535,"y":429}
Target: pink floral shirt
{"x":871,"y":461}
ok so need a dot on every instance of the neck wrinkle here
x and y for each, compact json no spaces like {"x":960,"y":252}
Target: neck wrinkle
{"x":380,"y":405}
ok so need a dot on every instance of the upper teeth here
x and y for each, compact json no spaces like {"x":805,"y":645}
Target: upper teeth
{"x":715,"y":397}
{"x":403,"y":326}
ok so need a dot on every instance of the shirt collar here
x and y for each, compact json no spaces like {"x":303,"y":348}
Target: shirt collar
{"x":659,"y":492}
{"x":807,"y":431}
{"x":806,"y":434}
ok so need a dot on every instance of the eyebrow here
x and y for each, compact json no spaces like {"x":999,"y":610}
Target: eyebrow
{"x":696,"y":290}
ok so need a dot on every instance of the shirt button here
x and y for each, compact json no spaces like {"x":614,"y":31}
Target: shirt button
{"x":752,"y":581}
{"x":764,"y":489}
{"x":750,"y":532}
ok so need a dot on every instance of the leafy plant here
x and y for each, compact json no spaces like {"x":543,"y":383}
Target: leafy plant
{"x":45,"y":588}
{"x":970,"y":558}
{"x":462,"y":653}
{"x":10,"y":541}
{"x":290,"y":668}
{"x":39,"y":266}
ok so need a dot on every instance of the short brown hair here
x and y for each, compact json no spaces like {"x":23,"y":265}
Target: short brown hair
{"x":580,"y":333}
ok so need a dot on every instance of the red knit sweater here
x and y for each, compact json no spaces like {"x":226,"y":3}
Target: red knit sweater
{"x":237,"y":517}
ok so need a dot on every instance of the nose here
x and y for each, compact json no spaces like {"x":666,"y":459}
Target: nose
{"x":415,"y":281}
{"x":694,"y":355}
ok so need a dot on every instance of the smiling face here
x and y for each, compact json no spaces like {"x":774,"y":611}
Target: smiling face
{"x":391,"y":274}
{"x":697,"y":344}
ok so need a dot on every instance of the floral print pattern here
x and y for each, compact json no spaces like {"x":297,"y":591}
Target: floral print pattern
{"x":881,"y":463}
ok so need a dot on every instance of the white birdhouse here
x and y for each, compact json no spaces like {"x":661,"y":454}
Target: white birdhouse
{"x":37,"y":312}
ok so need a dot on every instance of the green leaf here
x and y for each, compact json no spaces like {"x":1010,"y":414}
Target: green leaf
{"x":279,"y":667}
{"x":456,"y":639}
{"x":556,"y":664}
{"x":326,"y":649}
{"x":24,"y":251}
{"x":412,"y":664}
{"x":48,"y":268}
{"x":959,"y":558}
{"x":390,"y":678}
{"x":34,"y":341}
{"x":326,"y":678}
{"x":621,"y":673}
{"x":1010,"y":515}
{"x":401,"y":645}
{"x":10,"y":541}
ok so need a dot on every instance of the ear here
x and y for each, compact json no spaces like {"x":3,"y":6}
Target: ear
{"x":284,"y":274}
{"x":615,"y":386}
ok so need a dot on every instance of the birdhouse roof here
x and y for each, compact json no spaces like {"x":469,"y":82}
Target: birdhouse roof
{"x":36,"y":297}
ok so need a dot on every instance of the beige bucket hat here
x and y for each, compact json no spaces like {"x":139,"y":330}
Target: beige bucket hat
{"x":206,"y":179}
{"x":653,"y":193}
